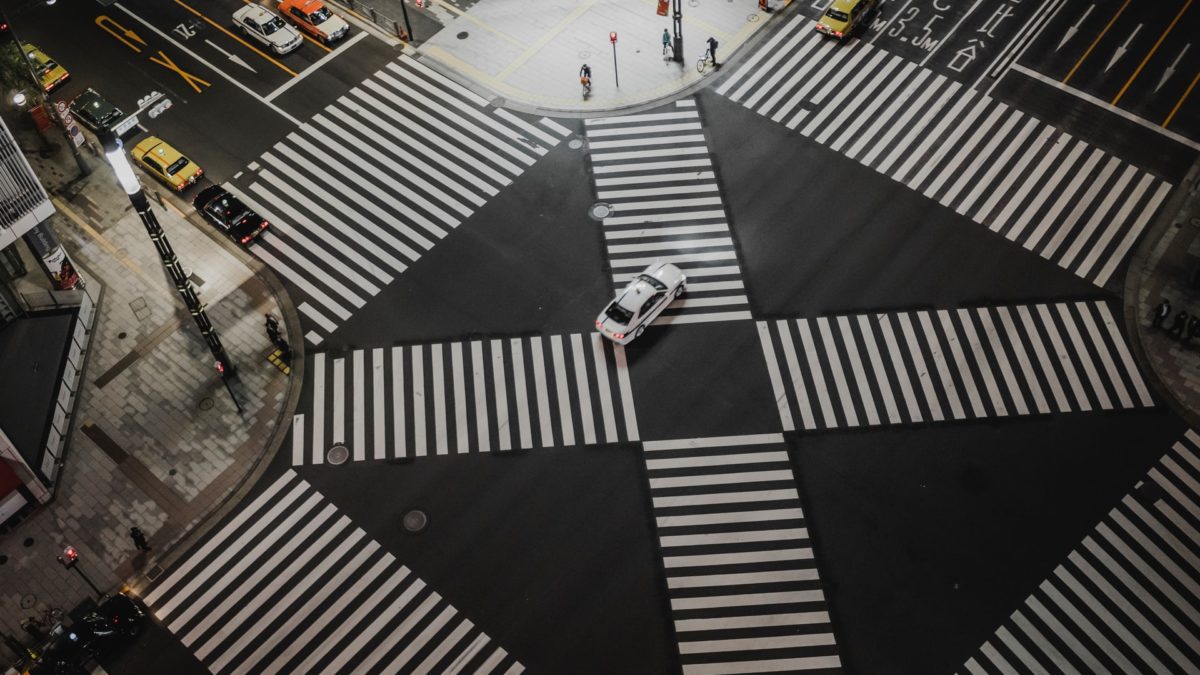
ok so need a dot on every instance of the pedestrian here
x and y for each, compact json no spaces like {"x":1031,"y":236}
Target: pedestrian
{"x":1192,"y":331}
{"x":273,"y":330}
{"x":1161,"y":313}
{"x":1178,"y":324}
{"x":712,"y":51}
{"x":585,"y":78}
{"x":139,"y":539}
{"x":666,"y":42}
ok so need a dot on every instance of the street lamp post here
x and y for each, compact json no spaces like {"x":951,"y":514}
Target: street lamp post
{"x":677,"y":25}
{"x":141,"y":204}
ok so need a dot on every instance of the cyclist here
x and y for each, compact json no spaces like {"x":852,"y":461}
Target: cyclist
{"x":585,"y":78}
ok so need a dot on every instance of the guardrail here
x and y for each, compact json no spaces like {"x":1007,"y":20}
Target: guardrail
{"x":64,"y":404}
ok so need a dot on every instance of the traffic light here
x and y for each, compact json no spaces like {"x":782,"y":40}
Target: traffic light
{"x":69,"y":556}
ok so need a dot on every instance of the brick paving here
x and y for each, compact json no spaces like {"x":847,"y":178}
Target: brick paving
{"x":156,"y":441}
{"x":1167,"y":265}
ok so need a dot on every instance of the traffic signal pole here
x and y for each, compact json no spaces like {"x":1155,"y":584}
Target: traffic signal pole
{"x":677,"y":25}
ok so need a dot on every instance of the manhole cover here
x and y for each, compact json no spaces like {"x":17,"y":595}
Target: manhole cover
{"x":752,"y":18}
{"x":416,"y":520}
{"x":121,"y":335}
{"x":28,"y":601}
{"x":584,"y":55}
{"x":575,"y":144}
{"x":600,"y":210}
{"x":206,"y":404}
{"x":337,"y":455}
{"x":463,"y":35}
{"x":28,"y":542}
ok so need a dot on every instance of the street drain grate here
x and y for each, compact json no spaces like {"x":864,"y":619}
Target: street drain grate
{"x":337,"y":455}
{"x":415,"y":521}
{"x":600,"y":210}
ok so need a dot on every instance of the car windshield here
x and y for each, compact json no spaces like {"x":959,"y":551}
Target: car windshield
{"x":177,"y":166}
{"x":836,"y":15}
{"x":618,"y":313}
{"x":319,"y":16}
{"x":658,"y":285}
{"x":47,"y":67}
{"x":273,"y":24}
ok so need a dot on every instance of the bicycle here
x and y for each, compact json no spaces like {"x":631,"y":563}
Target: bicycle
{"x":705,"y":61}
{"x":586,"y":82}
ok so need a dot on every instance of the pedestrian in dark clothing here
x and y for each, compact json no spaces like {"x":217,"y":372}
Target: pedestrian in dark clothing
{"x":139,"y":539}
{"x":712,"y":51}
{"x":1192,"y":330}
{"x":1161,"y":313}
{"x":1178,"y":324}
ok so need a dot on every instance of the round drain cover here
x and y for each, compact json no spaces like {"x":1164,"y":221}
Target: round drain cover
{"x":575,"y":144}
{"x":206,"y":404}
{"x":600,"y":210}
{"x":463,"y":35}
{"x":338,"y":454}
{"x":416,"y":520}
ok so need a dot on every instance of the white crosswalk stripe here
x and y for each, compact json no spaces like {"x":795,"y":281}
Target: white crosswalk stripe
{"x":290,"y":585}
{"x":374,"y":181}
{"x":1053,"y":194}
{"x":743,"y":584}
{"x":475,"y":396}
{"x":906,"y":367}
{"x":654,"y":169}
{"x":1127,"y":599}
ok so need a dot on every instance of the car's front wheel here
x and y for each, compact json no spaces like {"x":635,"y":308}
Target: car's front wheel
{"x":679,"y":291}
{"x":640,"y":329}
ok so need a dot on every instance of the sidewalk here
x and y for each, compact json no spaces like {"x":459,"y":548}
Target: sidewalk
{"x":156,"y":441}
{"x":1167,"y":265}
{"x":530,"y":52}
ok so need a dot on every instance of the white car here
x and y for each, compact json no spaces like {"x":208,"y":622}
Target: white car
{"x":646,"y":296}
{"x":265,"y":26}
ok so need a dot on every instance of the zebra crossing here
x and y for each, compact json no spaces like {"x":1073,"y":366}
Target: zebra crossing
{"x":290,"y":585}
{"x":1127,"y":599}
{"x":471,"y":396}
{"x":655,"y":171}
{"x":370,"y":184}
{"x":743,"y":584}
{"x":1053,"y":194}
{"x":931,"y":366}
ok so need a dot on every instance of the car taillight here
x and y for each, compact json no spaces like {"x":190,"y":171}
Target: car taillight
{"x":619,"y":336}
{"x":244,"y":239}
{"x":264,"y":225}
{"x":599,"y":324}
{"x":837,"y":33}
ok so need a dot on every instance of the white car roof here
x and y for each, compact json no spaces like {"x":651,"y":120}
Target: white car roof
{"x":259,"y":13}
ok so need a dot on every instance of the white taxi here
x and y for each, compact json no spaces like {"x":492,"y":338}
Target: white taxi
{"x":635,"y":307}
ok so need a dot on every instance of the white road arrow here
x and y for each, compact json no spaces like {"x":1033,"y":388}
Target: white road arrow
{"x":232,"y":57}
{"x":1072,"y":30}
{"x":1171,"y":68}
{"x":1123,"y":48}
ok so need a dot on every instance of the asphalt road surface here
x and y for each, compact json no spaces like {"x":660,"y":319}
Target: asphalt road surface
{"x":892,"y":402}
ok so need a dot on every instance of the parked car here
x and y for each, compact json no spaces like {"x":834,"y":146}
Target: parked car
{"x":314,"y":18}
{"x":843,"y":16}
{"x":50,"y":72}
{"x":641,"y":301}
{"x":112,"y":625}
{"x":166,"y":163}
{"x":266,"y":27}
{"x":229,"y":214}
{"x":96,"y":113}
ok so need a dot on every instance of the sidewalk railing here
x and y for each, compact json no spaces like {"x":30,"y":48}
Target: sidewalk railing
{"x":64,"y":405}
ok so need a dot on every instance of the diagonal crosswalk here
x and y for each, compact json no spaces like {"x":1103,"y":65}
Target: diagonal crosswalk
{"x":743,"y":584}
{"x":373,"y":182}
{"x":933,"y":366}
{"x":655,"y":170}
{"x":290,"y":585}
{"x":1127,"y":599}
{"x":1052,"y":193}
{"x":473,"y":396}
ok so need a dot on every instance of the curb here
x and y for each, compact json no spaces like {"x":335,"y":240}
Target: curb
{"x":1136,"y":278}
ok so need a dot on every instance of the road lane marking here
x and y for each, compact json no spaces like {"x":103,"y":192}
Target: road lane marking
{"x":191,"y":80}
{"x":1095,"y":42}
{"x":1152,"y":51}
{"x":320,"y":62}
{"x":245,"y":44}
{"x":232,"y":80}
{"x":1179,"y":103}
{"x":104,"y":22}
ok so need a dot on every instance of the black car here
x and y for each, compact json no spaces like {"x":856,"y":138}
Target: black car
{"x":96,"y":113}
{"x":229,"y":214}
{"x":112,"y":625}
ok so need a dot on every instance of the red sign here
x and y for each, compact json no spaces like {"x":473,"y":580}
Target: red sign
{"x":662,"y":7}
{"x":612,"y":37}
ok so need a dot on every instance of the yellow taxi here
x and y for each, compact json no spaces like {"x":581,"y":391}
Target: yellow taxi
{"x":843,"y":16}
{"x":51,"y":73}
{"x":166,"y":163}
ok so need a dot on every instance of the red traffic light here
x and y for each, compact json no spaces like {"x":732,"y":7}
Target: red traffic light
{"x":220,"y":368}
{"x":612,"y":37}
{"x":70,"y":554}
